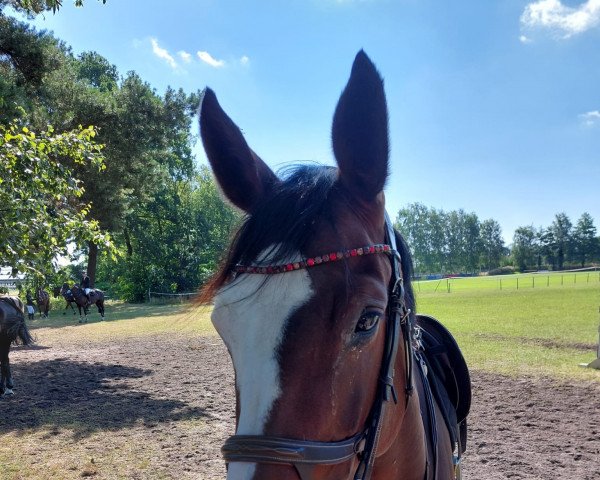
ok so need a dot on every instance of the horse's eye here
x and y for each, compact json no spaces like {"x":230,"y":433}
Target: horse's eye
{"x":367,"y":321}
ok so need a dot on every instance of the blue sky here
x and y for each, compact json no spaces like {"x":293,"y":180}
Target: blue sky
{"x":494,"y":105}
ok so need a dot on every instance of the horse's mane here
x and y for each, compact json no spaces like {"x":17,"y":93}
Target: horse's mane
{"x":285,"y":221}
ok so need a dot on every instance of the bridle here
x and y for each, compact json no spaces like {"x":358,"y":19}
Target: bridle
{"x":306,"y":455}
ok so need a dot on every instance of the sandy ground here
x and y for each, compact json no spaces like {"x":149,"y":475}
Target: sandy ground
{"x":159,"y":407}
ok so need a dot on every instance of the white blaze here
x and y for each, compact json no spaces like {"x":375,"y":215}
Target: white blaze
{"x":250,"y":316}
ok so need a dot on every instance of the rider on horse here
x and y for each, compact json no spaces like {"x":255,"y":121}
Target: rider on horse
{"x":85,"y":284}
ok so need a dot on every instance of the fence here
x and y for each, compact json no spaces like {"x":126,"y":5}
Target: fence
{"x":157,"y":297}
{"x":508,"y":282}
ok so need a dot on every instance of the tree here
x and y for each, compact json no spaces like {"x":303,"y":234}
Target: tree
{"x":561,"y":233}
{"x":413,"y":222}
{"x":174,"y":241}
{"x":33,"y":7}
{"x":472,"y":246}
{"x":452,"y":241}
{"x":584,"y":239}
{"x":146,"y":136}
{"x":463,"y":243}
{"x":524,"y":249}
{"x":40,"y":207}
{"x":25,"y":59}
{"x":492,"y":244}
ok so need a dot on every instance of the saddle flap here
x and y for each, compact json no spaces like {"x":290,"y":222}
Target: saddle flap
{"x":447,"y":362}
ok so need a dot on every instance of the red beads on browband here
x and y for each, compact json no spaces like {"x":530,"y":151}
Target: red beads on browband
{"x":314,"y":261}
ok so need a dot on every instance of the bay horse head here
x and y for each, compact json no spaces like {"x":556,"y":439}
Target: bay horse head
{"x":309,"y":345}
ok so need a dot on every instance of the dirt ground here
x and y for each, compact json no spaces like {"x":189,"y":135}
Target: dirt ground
{"x":159,"y":407}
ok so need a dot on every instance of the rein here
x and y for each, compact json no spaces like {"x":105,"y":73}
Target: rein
{"x":305,"y":455}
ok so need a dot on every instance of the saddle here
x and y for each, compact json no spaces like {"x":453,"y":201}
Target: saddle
{"x":447,"y":375}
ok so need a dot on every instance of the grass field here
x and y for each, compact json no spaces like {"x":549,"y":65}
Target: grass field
{"x":541,"y":330}
{"x":125,"y":320}
{"x":545,"y":330}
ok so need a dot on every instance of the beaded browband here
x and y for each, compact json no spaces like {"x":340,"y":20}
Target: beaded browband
{"x":314,"y":261}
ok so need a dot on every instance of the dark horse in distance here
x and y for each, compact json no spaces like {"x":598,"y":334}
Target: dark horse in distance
{"x":336,"y":376}
{"x":13,"y":329}
{"x":43,"y":302}
{"x":82,"y":301}
{"x":66,"y":293}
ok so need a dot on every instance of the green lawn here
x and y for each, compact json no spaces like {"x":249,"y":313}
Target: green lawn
{"x":530,"y":331}
{"x":125,"y":320}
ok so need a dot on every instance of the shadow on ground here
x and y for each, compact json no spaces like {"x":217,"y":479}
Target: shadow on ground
{"x":62,"y":394}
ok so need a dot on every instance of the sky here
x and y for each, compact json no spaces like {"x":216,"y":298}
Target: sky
{"x":494,"y":106}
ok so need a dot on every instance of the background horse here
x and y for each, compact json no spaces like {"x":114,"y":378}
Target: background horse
{"x":329,"y":370}
{"x":13,"y":329}
{"x":65,"y":292}
{"x":43,"y":302}
{"x":96,"y":297}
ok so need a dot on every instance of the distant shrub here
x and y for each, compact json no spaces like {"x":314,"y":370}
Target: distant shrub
{"x":507,"y":270}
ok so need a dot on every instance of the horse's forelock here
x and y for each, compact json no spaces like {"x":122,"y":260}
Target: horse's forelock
{"x":285,"y":219}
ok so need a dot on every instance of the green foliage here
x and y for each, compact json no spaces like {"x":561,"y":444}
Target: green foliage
{"x":557,"y":245}
{"x":173,"y":242}
{"x":40,"y":207}
{"x":33,"y":7}
{"x":450,"y":242}
{"x":525,"y":248}
{"x":146,"y":137}
{"x":585,"y":243}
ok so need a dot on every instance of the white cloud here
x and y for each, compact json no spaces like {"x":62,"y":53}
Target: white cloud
{"x":524,"y":39}
{"x":162,"y":53}
{"x":245,"y":60}
{"x":210,"y":60}
{"x":185,"y":56}
{"x":560,"y":19}
{"x":590,"y":118}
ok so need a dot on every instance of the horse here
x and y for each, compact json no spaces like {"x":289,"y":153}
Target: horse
{"x":82,"y":301}
{"x":335,"y":374}
{"x":13,"y":329}
{"x":65,"y":292}
{"x":43,"y":302}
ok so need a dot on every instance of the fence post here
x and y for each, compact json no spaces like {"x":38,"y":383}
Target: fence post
{"x":517,"y":283}
{"x":500,"y":284}
{"x":533,"y":282}
{"x":588,"y":279}
{"x":575,"y":278}
{"x":561,"y":279}
{"x":548,"y":281}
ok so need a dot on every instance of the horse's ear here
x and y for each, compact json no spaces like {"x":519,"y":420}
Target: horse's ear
{"x":360,"y":131}
{"x":243,"y":176}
